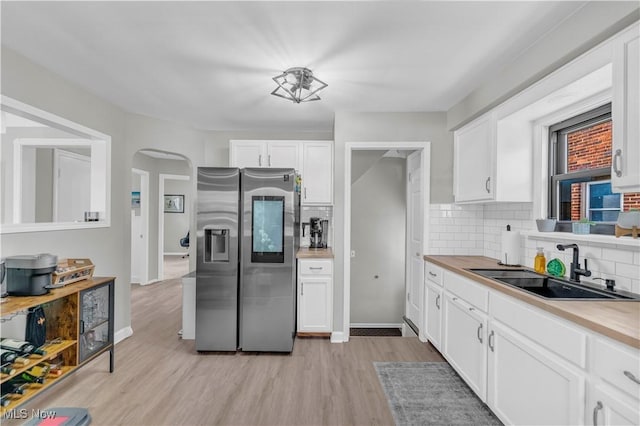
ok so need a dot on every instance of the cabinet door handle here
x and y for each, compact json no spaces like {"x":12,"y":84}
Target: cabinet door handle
{"x":630,"y":375}
{"x":260,"y":160}
{"x":438,"y":302}
{"x":597,"y":408}
{"x":315,"y":268}
{"x":305,"y":192}
{"x":432,"y":274}
{"x":480,"y":332}
{"x":81,"y":326}
{"x":302,"y":288}
{"x":455,"y":298}
{"x":269,"y":159}
{"x":486,"y":185}
{"x":617,"y":156}
{"x":491,"y":341}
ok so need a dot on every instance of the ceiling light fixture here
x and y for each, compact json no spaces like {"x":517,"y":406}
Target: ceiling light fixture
{"x":298,"y":85}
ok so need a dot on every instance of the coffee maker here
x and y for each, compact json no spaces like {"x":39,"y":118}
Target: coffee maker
{"x":318,"y":232}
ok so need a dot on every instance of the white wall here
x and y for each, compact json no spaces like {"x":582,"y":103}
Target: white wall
{"x":378,"y":232}
{"x":590,"y":25}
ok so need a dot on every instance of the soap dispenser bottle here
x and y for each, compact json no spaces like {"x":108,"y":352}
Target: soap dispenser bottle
{"x":540,"y":263}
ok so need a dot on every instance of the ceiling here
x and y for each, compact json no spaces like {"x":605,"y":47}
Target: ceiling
{"x":209,"y":64}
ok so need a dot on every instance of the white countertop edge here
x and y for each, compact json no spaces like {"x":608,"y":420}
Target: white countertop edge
{"x":595,"y":239}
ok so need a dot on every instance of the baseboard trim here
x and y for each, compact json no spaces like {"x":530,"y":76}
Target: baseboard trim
{"x":122,"y":334}
{"x":375,"y":325}
{"x":338,"y":337}
{"x":155,"y":280}
{"x":176,"y":254}
{"x":411,"y":325}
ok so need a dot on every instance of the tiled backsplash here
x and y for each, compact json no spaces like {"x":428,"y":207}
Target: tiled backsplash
{"x":475,"y":229}
{"x":323,"y":212}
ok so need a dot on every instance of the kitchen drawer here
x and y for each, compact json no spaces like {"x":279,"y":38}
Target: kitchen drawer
{"x":546,"y":329}
{"x":433,"y":273}
{"x":617,"y":364}
{"x":315,"y":267}
{"x":466,"y":289}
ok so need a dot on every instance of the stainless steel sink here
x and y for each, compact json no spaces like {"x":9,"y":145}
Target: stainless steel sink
{"x":551,"y":287}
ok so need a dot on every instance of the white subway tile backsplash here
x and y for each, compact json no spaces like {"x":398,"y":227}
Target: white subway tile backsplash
{"x":477,"y":229}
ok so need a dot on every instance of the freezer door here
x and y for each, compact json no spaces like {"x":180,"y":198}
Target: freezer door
{"x":268,"y":278}
{"x":217,"y":263}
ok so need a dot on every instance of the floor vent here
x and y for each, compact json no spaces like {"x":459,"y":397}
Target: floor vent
{"x":375,"y":332}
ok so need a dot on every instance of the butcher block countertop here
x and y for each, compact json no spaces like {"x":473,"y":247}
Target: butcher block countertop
{"x":314,"y":253}
{"x":619,"y":320}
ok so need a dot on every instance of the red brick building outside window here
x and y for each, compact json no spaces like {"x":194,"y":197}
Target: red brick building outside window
{"x":590,"y":148}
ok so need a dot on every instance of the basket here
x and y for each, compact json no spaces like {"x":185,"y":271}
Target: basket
{"x":72,"y":270}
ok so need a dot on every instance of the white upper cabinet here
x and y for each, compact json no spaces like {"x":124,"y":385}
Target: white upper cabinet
{"x":625,"y":164}
{"x":473,"y":160}
{"x":493,"y":160}
{"x":317,"y":173}
{"x":254,"y":153}
{"x":312,"y":159}
{"x":283,"y":154}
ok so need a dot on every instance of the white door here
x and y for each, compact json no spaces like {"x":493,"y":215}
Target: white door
{"x":464,"y":342}
{"x":607,"y":406}
{"x":140,"y":230}
{"x":248,"y":154}
{"x":528,"y":385}
{"x":284,"y":155}
{"x":415,"y":220}
{"x":72,"y":186}
{"x":314,"y":304}
{"x":136,"y":246}
{"x":473,"y":167}
{"x":433,"y":315}
{"x":317,"y":173}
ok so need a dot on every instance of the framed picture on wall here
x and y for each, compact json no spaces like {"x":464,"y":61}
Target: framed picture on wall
{"x":173,"y":203}
{"x":135,"y":199}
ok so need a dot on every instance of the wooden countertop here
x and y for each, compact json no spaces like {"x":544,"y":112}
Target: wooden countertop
{"x":12,"y":304}
{"x":314,"y":253}
{"x":618,"y":320}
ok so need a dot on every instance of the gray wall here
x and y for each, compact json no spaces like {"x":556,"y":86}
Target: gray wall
{"x":108,"y":248}
{"x":590,"y":25}
{"x":378,"y":232}
{"x":176,"y":225}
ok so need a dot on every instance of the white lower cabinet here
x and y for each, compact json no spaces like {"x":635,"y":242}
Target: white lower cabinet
{"x":607,"y":406}
{"x":433,"y":304}
{"x":464,"y":342}
{"x":529,"y":385}
{"x":315,"y":296}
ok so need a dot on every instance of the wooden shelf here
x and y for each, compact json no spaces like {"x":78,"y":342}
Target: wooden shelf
{"x":33,"y":389}
{"x":52,"y":351}
{"x":63,"y":310}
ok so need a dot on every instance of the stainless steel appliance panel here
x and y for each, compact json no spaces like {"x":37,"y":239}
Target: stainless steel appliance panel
{"x":268,"y":283}
{"x":217,"y":265}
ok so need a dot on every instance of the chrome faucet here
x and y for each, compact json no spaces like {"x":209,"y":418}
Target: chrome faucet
{"x":576,"y":272}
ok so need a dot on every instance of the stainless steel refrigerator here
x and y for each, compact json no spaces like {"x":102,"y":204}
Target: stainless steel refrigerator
{"x":247,"y":238}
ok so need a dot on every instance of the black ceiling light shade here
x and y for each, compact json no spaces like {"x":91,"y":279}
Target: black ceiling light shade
{"x":298,"y":85}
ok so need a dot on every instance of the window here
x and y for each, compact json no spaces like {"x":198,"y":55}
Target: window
{"x":580,"y":172}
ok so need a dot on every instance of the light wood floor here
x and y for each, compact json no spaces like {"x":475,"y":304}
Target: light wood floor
{"x":160,"y":379}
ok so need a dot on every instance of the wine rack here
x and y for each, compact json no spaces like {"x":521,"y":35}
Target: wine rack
{"x":79,"y":327}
